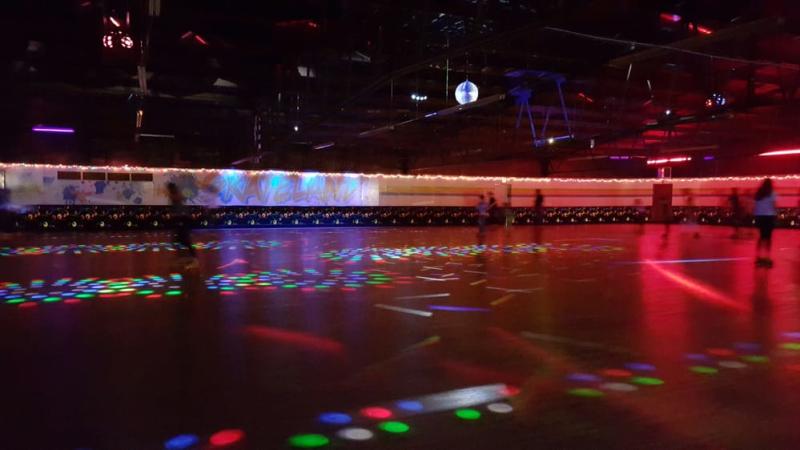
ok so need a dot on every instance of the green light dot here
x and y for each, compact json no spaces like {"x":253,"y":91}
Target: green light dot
{"x":227,"y":288}
{"x":468,"y":414}
{"x":52,"y":299}
{"x":289,"y":286}
{"x":15,"y":301}
{"x":758,"y":359}
{"x":174,"y":293}
{"x":84,"y":295}
{"x":394,"y":427}
{"x":647,"y":381}
{"x":106,"y":291}
{"x":704,"y":370}
{"x":585,"y":392}
{"x":145,"y":292}
{"x":308,"y":441}
{"x":791,"y":346}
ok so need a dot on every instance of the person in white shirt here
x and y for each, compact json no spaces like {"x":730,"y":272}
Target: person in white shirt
{"x":765,"y":213}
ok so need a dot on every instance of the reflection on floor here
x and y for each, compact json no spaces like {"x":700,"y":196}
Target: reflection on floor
{"x":579,"y":337}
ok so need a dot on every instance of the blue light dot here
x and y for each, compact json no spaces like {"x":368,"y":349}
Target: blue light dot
{"x":181,"y":442}
{"x":334,"y":418}
{"x":640,"y":367}
{"x":410,"y":405}
{"x":583,"y":378}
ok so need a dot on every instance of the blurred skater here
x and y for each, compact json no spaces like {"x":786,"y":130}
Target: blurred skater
{"x":765,"y":213}
{"x":493,"y":208}
{"x":508,"y":213}
{"x":483,"y":214}
{"x":538,"y":206}
{"x":183,"y":232}
{"x":737,"y":212}
{"x":691,"y":213}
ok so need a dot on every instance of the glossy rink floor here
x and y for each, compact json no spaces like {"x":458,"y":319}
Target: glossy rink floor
{"x":569,"y":337}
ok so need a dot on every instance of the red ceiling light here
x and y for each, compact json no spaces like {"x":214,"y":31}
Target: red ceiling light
{"x":703,"y":30}
{"x":781,"y":152}
{"x":114,"y":21}
{"x":669,"y":17}
{"x":679,"y":159}
{"x":200,"y":40}
{"x":585,"y":97}
{"x":187,"y":35}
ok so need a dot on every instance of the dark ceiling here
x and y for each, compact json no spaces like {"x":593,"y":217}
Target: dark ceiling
{"x":327,"y":84}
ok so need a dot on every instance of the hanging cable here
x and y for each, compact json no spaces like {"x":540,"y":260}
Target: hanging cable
{"x":628,"y":42}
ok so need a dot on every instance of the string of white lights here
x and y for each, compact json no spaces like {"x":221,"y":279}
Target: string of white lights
{"x":462,"y":178}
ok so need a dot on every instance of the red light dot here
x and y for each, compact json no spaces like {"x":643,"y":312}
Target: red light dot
{"x":226,"y":437}
{"x":27,"y":305}
{"x":72,"y":301}
{"x":721,"y":352}
{"x":375,"y":412}
{"x":511,"y":391}
{"x":619,"y":373}
{"x":151,"y":296}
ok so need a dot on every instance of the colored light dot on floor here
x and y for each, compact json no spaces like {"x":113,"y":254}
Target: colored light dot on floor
{"x":334,"y":418}
{"x":704,"y":370}
{"x":619,"y":387}
{"x":647,"y":381}
{"x":510,"y":391}
{"x":52,"y":299}
{"x":375,"y":412}
{"x":640,"y":367}
{"x":720,"y":352}
{"x":500,"y":408}
{"x":355,"y":434}
{"x":468,"y":414}
{"x":14,"y":301}
{"x":224,"y":438}
{"x":410,"y":405}
{"x":145,"y":292}
{"x":85,"y":296}
{"x":616,"y":373}
{"x":308,"y":441}
{"x":732,"y":364}
{"x":585,"y":392}
{"x":697,"y":357}
{"x":794,"y":346}
{"x":757,"y":359}
{"x":583,"y":378}
{"x":394,"y":427}
{"x":181,"y":442}
{"x":173,"y":293}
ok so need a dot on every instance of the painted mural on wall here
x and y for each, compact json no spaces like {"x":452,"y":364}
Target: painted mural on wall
{"x":41,"y":186}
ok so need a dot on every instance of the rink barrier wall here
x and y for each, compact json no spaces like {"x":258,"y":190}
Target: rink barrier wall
{"x":42,"y":184}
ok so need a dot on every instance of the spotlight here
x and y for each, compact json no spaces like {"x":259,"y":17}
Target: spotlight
{"x":117,"y":39}
{"x":108,"y":41}
{"x":126,"y":41}
{"x":418,"y":97}
{"x":296,"y":128}
{"x":716,"y":100}
{"x":668,"y":112}
{"x":551,"y":141}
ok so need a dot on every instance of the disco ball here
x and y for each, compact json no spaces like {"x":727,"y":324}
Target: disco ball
{"x":466,"y":92}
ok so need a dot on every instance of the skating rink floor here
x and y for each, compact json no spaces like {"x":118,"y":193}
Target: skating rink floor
{"x":560,"y":337}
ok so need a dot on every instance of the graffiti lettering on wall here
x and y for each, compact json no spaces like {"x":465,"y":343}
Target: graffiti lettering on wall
{"x":41,"y":186}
